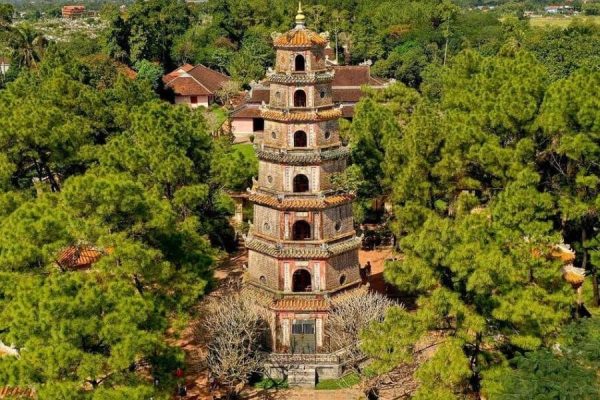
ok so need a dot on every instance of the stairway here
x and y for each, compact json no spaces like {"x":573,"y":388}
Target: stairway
{"x":302,"y":376}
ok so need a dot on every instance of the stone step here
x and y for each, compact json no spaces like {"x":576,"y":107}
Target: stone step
{"x":302,"y":376}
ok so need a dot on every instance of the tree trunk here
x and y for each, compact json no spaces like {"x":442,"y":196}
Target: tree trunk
{"x":595,"y":287}
{"x":138,"y":285}
{"x":476,"y":377}
{"x":593,"y":271}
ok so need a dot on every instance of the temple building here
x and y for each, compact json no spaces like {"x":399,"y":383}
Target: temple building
{"x":302,"y":246}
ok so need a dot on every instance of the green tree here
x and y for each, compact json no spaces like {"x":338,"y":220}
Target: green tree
{"x":150,"y":72}
{"x":568,"y":372}
{"x":148,"y":32}
{"x":474,"y":219}
{"x":6,"y":14}
{"x":77,"y":330}
{"x":26,"y":46}
{"x":569,"y":119}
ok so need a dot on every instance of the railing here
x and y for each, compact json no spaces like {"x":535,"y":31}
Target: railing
{"x":304,"y":243}
{"x":337,"y":357}
{"x":308,"y":150}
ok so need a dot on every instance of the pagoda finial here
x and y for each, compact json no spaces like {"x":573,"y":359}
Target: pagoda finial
{"x":300,"y":18}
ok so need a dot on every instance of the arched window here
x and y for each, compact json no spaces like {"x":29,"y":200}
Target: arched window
{"x":300,"y":139}
{"x":301,"y":230}
{"x":300,"y":63}
{"x":301,"y":281}
{"x":300,"y":183}
{"x":299,"y":98}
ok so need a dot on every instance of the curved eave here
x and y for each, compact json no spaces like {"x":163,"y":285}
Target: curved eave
{"x":297,"y":158}
{"x":298,"y":252}
{"x":301,"y":204}
{"x":299,"y":79}
{"x":301,"y":116}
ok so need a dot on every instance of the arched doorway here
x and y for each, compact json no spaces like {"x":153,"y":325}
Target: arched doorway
{"x":301,"y":230}
{"x":299,"y":98}
{"x":301,"y":281}
{"x":300,"y":183}
{"x":300,"y":64}
{"x":300,"y":139}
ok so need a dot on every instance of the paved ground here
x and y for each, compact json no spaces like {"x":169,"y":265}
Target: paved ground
{"x":305,"y":394}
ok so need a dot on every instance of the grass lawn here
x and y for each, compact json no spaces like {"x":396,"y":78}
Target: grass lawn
{"x":341,"y":383}
{"x":268,"y":383}
{"x":561,"y":21}
{"x":246,"y":149}
{"x":221,"y":115}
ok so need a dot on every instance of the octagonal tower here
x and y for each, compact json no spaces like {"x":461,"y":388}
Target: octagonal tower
{"x":302,"y":246}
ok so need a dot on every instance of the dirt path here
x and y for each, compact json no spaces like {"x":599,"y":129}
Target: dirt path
{"x":227,"y":274}
{"x":377,"y":259}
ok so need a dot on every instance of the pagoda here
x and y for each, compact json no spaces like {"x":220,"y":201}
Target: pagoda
{"x":302,"y":246}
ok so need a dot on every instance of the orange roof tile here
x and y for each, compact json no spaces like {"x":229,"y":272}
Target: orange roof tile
{"x":324,"y":115}
{"x":246,"y":111}
{"x":301,"y":204}
{"x":78,"y":257}
{"x":188,"y":86}
{"x":198,"y":80}
{"x":563,"y":253}
{"x":299,"y":37}
{"x":7,"y":392}
{"x":575,"y":276}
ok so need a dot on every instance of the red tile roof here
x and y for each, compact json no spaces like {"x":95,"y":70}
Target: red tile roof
{"x":246,"y":111}
{"x":348,"y":111}
{"x":322,"y":115}
{"x":188,"y":80}
{"x":299,"y":37}
{"x":301,"y":204}
{"x":209,"y":78}
{"x":8,"y":392}
{"x":176,"y":73}
{"x":351,"y":95}
{"x":355,"y":76}
{"x":78,"y":257}
{"x":188,"y":86}
{"x":260,"y":94}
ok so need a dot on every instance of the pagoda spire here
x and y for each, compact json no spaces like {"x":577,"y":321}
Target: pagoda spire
{"x":300,"y":18}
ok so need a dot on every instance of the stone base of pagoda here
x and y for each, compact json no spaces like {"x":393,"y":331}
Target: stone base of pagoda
{"x":305,"y":370}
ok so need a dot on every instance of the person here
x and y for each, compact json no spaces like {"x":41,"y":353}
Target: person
{"x":365,"y":271}
{"x":181,"y":390}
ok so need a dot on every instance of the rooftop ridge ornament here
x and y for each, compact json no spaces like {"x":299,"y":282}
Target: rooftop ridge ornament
{"x":300,"y":18}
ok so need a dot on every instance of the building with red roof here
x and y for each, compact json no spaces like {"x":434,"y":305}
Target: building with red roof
{"x":194,"y":85}
{"x":78,"y":257}
{"x":73,"y":11}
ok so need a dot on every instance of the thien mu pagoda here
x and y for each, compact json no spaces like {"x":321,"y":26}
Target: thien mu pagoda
{"x":302,"y":246}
